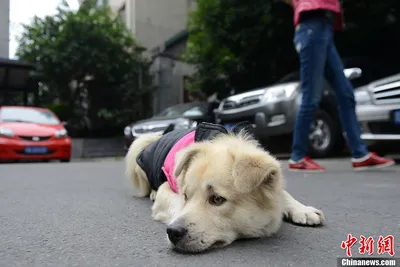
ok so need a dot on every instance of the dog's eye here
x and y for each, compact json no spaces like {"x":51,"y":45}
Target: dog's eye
{"x":216,"y":200}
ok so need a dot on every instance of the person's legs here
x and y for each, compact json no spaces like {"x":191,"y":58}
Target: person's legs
{"x":346,"y":103}
{"x":311,"y":44}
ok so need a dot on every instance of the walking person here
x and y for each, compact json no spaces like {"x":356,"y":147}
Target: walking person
{"x":315,"y":22}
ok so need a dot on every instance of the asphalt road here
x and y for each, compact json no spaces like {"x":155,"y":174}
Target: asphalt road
{"x":81,"y":214}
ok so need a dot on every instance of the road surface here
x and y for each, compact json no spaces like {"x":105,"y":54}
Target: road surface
{"x":81,"y":214}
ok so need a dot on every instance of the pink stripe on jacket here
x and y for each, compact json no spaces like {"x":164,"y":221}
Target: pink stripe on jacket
{"x":169,"y":163}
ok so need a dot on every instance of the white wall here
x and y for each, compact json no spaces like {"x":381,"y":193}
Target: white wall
{"x":116,"y":4}
{"x":153,"y":21}
{"x":159,"y":20}
{"x":4,"y":28}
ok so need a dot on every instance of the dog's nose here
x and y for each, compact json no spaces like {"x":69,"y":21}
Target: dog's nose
{"x":176,"y":232}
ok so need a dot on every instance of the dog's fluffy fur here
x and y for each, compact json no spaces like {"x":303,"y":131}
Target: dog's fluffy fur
{"x":229,"y":188}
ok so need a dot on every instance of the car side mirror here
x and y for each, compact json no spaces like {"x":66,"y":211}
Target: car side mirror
{"x":352,"y":73}
{"x":216,"y":111}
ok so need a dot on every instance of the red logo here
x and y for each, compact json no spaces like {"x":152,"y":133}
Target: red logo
{"x":384,"y":245}
{"x":351,"y":240}
{"x":367,"y":244}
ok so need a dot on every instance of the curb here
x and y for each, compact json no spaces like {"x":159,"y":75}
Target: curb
{"x":99,"y":159}
{"x":281,"y":156}
{"x":121,"y":158}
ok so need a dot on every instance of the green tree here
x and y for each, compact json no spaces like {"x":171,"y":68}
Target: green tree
{"x":88,"y":60}
{"x":238,"y":45}
{"x":372,"y":28}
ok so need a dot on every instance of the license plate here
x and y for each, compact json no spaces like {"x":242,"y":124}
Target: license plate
{"x":36,"y":150}
{"x":396,"y":117}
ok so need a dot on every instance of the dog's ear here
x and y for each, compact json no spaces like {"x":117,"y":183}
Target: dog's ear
{"x":251,"y":170}
{"x":184,"y":157}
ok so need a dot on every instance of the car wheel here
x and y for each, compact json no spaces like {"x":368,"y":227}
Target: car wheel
{"x":322,"y":136}
{"x":65,"y":160}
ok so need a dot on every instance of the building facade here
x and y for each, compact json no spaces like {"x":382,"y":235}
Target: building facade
{"x":161,"y":27}
{"x":153,"y":21}
{"x":4,"y":28}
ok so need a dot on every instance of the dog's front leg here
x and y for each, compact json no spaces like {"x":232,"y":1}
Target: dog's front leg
{"x":298,"y":213}
{"x":153,"y":195}
{"x":167,"y":203}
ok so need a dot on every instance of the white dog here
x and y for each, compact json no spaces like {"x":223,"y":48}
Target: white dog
{"x":212,"y":187}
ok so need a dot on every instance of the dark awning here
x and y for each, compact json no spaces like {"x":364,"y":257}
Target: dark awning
{"x":15,"y":76}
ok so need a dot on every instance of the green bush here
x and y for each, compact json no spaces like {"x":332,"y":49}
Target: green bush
{"x":61,"y":110}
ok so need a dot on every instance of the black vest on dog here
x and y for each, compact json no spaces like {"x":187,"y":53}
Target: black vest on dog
{"x":152,"y":158}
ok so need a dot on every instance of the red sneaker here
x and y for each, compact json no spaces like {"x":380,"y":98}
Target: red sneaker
{"x":305,"y":165}
{"x":371,"y":161}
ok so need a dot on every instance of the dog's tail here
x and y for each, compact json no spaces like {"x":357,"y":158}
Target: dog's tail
{"x":135,"y":174}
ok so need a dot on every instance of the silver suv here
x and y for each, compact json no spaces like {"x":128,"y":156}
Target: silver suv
{"x":272,"y":111}
{"x":378,"y":110}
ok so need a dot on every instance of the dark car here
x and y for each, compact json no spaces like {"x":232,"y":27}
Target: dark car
{"x":182,"y":116}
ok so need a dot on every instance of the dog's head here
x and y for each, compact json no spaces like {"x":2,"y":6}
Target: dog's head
{"x":231,"y":188}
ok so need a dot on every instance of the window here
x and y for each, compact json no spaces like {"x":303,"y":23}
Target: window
{"x":101,"y":2}
{"x":187,"y":109}
{"x":28,"y":115}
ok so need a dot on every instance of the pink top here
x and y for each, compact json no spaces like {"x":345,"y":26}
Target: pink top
{"x":308,"y":5}
{"x":169,"y":163}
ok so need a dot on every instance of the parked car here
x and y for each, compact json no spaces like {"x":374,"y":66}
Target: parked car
{"x":273,"y":109}
{"x":378,"y":111}
{"x":32,"y":133}
{"x":182,"y":116}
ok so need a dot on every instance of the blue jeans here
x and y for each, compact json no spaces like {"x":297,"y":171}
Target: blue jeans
{"x":318,"y":59}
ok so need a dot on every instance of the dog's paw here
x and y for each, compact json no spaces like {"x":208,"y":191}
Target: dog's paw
{"x":153,"y":195}
{"x":306,"y":215}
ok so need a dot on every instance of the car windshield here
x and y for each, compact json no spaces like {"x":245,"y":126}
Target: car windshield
{"x":189,"y":109}
{"x":29,"y":115}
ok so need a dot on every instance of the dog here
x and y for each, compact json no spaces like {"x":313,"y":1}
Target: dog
{"x":211,"y":186}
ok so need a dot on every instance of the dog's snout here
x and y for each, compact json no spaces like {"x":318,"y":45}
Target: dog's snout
{"x":176,"y":231}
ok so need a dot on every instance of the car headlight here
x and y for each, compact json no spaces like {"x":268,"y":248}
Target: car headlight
{"x":127,"y":131}
{"x":193,"y":124}
{"x":5,"y":132}
{"x":61,"y":133}
{"x":279,"y":93}
{"x":362,"y":97}
{"x":185,"y":124}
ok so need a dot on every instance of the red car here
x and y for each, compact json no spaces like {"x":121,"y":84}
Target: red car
{"x":32,"y":133}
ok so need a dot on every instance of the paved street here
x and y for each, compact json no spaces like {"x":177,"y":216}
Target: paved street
{"x":81,"y":214}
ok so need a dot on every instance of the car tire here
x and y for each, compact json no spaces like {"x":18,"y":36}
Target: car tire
{"x":65,"y":160}
{"x":324,"y":137}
